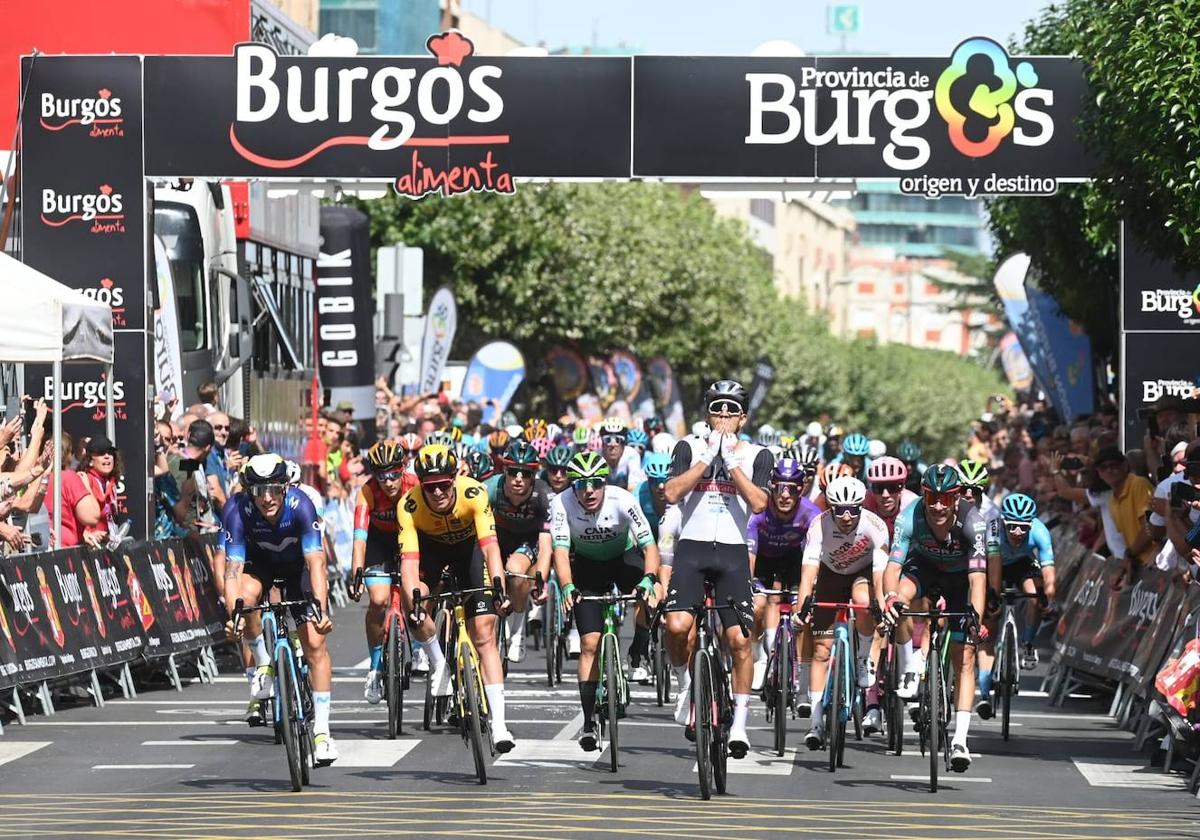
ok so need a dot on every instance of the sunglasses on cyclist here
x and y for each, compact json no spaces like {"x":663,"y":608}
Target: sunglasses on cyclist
{"x":947,"y":498}
{"x":589,"y":483}
{"x":731,"y":407}
{"x":518,"y":472}
{"x":260,"y":490}
{"x":788,"y":487}
{"x":1018,"y":528}
{"x":893,"y":489}
{"x":845,"y":510}
{"x":390,"y":475}
{"x":611,"y":439}
{"x":437,"y":488}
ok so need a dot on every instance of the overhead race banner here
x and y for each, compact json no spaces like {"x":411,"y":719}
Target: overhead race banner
{"x":345,"y":315}
{"x":1068,"y":354}
{"x":1016,"y":365}
{"x":493,"y":376}
{"x":441,"y":322}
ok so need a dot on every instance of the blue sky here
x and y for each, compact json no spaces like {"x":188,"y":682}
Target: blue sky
{"x":735,"y":27}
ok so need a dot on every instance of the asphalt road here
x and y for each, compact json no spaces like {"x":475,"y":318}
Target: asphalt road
{"x":182,"y":764}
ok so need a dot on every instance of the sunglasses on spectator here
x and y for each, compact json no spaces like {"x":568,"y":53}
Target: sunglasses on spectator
{"x":845,"y":510}
{"x":392,"y":475}
{"x":948,"y":498}
{"x":788,"y":487}
{"x":893,"y":489}
{"x":518,"y":472}
{"x":731,"y":407}
{"x":1018,"y":528}
{"x":589,"y":483}
{"x":260,"y":490}
{"x":217,"y":428}
{"x":607,"y":439}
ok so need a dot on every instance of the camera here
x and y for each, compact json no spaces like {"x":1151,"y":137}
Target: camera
{"x":1183,"y":492}
{"x":1071,"y":462}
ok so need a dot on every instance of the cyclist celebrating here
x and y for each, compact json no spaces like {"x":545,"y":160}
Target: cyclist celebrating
{"x":719,"y":484}
{"x":775,"y":540}
{"x":521,"y":506}
{"x":844,"y":557}
{"x":272,"y":533}
{"x":941,"y":546}
{"x":375,"y":546}
{"x":446,"y":526}
{"x":613,"y":546}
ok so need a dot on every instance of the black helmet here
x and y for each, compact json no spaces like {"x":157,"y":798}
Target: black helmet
{"x":726,"y":389}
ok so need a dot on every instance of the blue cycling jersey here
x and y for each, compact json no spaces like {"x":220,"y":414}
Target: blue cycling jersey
{"x":645,"y":499}
{"x":1035,"y":546}
{"x":250,"y":537}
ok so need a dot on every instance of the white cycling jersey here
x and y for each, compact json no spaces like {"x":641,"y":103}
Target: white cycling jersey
{"x":616,"y":526}
{"x":849,"y":552}
{"x":714,"y":512}
{"x":668,"y":534}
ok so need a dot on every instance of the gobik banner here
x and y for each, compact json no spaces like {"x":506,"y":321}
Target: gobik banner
{"x":84,"y":224}
{"x":72,"y":610}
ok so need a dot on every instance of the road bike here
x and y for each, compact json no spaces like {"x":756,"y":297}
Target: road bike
{"x":612,"y":692}
{"x":660,"y":664}
{"x":554,"y":631}
{"x":1006,"y":681}
{"x":712,"y":705}
{"x":781,"y":687}
{"x":843,"y":699}
{"x":469,"y":698}
{"x":396,"y":667}
{"x":291,"y":706}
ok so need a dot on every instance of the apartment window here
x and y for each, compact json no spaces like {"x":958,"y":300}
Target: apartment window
{"x":933,"y":337}
{"x":865,"y":332}
{"x":764,"y":209}
{"x":358,"y":24}
{"x":898,"y":290}
{"x":866,"y":287}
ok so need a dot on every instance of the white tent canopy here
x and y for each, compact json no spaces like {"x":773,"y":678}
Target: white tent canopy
{"x":49,"y":322}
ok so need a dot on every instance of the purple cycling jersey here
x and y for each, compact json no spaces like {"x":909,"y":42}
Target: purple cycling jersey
{"x":769,"y":536}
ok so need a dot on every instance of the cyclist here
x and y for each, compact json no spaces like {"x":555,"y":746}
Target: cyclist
{"x":613,"y":546}
{"x":272,"y":533}
{"x":775,"y":540}
{"x":521,"y":506}
{"x":479,"y":465}
{"x":941,"y":545}
{"x":974,"y":478}
{"x":638,"y":441}
{"x":828,"y":473}
{"x":446,"y":526}
{"x":375,"y":545}
{"x":855,"y":449}
{"x":652,"y":493}
{"x":554,"y":469}
{"x":910,"y":454}
{"x":844,"y":557}
{"x":624,"y":463}
{"x":719,"y":483}
{"x":497,"y":442}
{"x":832,"y":447}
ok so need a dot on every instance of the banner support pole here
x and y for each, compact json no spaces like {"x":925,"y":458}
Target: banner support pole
{"x":97,"y":690}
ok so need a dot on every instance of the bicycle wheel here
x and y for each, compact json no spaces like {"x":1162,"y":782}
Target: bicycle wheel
{"x":286,"y":695}
{"x":834,"y":728}
{"x":933,"y":688}
{"x":307,"y":746}
{"x":782,"y":677}
{"x":724,"y":717}
{"x":612,"y":691}
{"x":893,"y":705}
{"x":393,"y":686}
{"x":552,"y":628}
{"x":473,"y":710}
{"x":1008,"y":676}
{"x":702,"y":702}
{"x":502,"y":642}
{"x":857,"y":707}
{"x":662,"y":672}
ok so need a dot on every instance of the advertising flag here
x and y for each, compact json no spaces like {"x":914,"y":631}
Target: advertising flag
{"x":569,"y":372}
{"x":493,"y":376}
{"x":1016,"y":365}
{"x":441,"y":321}
{"x":1067,"y":354}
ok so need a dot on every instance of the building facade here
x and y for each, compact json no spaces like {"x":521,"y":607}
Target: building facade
{"x":914,"y":226}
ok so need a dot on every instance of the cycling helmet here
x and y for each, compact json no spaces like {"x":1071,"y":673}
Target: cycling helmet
{"x":786,"y":441}
{"x":587,"y":465}
{"x":461,"y":449}
{"x":614,"y":426}
{"x":553,"y":430}
{"x":973,"y":474}
{"x":638,"y":438}
{"x":908,"y":451}
{"x":832,"y":471}
{"x":497,"y":441}
{"x":439,"y":438}
{"x":1017,"y":507}
{"x":384,"y":456}
{"x":542,"y":445}
{"x":887,"y":469}
{"x":663,"y":443}
{"x":813,"y":429}
{"x":520,"y":454}
{"x":809,"y":456}
{"x":515,"y":431}
{"x":877,"y":449}
{"x":535,"y":428}
{"x":436,"y":459}
{"x":595,"y":443}
{"x":411,"y":442}
{"x":293,"y":472}
{"x":788,"y":469}
{"x":655,"y":425}
{"x":846,"y":490}
{"x":559,"y":456}
{"x":834,"y":430}
{"x":479,"y":465}
{"x":657,"y":467}
{"x":454,"y":433}
{"x":856,"y":445}
{"x":767,"y":436}
{"x":941,"y":479}
{"x":267,"y":468}
{"x":726,"y":389}
{"x":580,"y":436}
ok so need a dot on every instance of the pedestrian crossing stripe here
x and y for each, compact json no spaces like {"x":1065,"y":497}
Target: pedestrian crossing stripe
{"x":761,"y":763}
{"x":1127,"y":774}
{"x":12,"y":750}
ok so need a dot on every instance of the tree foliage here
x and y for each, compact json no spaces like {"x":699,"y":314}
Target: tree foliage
{"x":653,"y":269}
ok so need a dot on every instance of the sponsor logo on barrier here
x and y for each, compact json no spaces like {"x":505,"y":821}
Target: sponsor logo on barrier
{"x":1143,"y":604}
{"x":91,"y":395}
{"x":1155,"y":389}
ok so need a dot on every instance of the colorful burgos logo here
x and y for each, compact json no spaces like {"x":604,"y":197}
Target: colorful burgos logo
{"x":994,"y":99}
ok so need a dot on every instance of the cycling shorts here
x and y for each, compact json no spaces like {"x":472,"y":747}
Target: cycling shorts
{"x":598,"y":577}
{"x":833,"y":588}
{"x":725,"y":565}
{"x":1015,"y":574}
{"x":778,"y":572}
{"x":511,"y":544}
{"x":932,"y":581}
{"x":462,"y":566}
{"x":293,"y":583}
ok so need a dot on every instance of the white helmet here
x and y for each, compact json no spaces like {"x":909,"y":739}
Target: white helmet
{"x":663,"y":443}
{"x":515,"y":431}
{"x":877,"y":448}
{"x":846,"y":490}
{"x":293,"y":472}
{"x":814,"y":429}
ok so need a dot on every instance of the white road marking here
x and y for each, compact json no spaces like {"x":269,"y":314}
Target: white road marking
{"x":12,"y":750}
{"x":369,"y":753}
{"x":761,"y":763}
{"x":206,"y":742}
{"x":1128,"y":774}
{"x":540,"y":753}
{"x":567,"y":733}
{"x":946,"y":779}
{"x":143,"y":766}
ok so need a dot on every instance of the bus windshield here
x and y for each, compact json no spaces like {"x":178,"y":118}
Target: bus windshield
{"x":179,"y":227}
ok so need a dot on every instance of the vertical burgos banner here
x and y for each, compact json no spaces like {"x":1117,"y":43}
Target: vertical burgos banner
{"x":83,"y":223}
{"x":345,"y":326}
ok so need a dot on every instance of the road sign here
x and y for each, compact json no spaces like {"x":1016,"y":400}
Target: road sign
{"x":844,"y":18}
